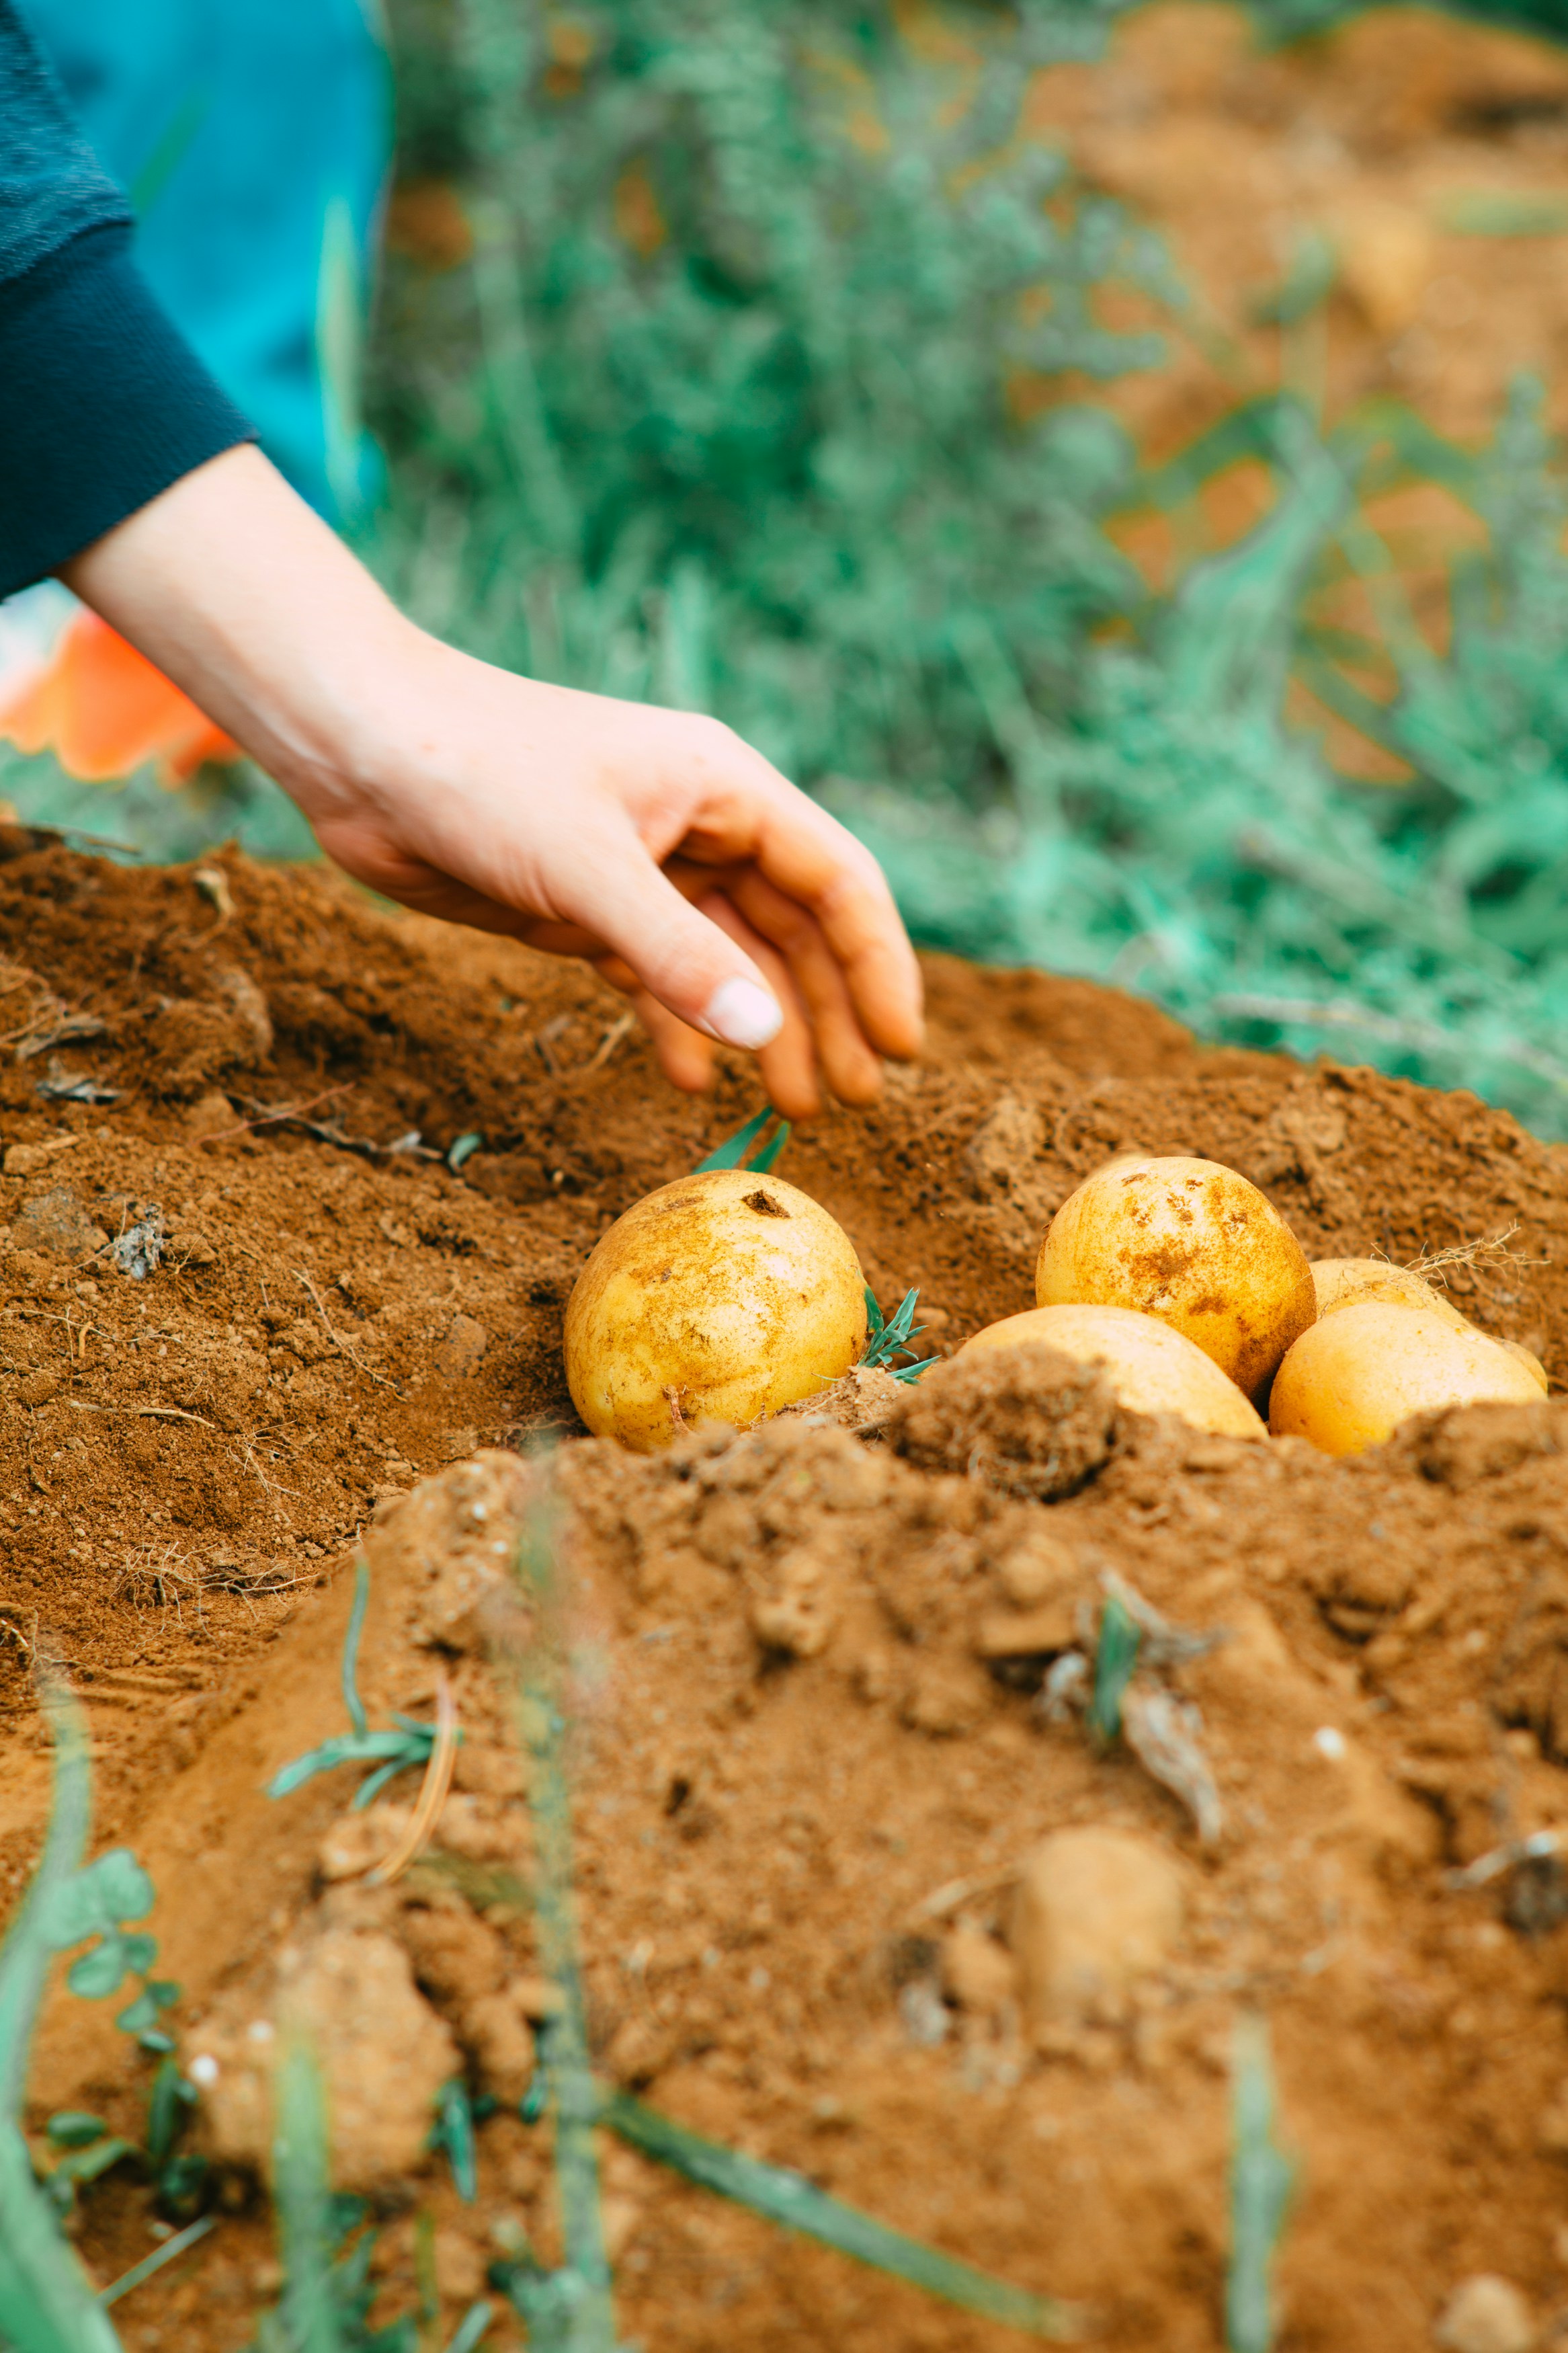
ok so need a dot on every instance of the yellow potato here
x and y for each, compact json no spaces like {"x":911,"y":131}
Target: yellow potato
{"x":1151,"y":1367}
{"x":1351,"y":1282}
{"x":724,"y":1295}
{"x":1349,"y":1382}
{"x":1528,"y":1358}
{"x":1193,"y":1243}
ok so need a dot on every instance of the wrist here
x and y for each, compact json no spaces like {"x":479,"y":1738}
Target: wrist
{"x":245,"y":598}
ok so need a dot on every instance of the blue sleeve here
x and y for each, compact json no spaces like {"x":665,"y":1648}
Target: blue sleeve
{"x":102,"y":402}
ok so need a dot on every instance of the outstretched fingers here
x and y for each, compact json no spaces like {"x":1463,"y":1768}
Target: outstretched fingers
{"x":811,"y":860}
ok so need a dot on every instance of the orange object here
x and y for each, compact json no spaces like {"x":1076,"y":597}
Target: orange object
{"x":103,"y":710}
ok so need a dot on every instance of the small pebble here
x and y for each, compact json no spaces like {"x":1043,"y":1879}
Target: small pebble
{"x":1485,"y":2314}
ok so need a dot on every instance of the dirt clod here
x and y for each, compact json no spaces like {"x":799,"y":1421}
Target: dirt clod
{"x":383,"y":2054}
{"x":1485,"y":2314}
{"x":1028,"y":1419}
{"x":1095,"y":1911}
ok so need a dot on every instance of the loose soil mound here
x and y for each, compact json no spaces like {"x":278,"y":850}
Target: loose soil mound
{"x":823,"y":1685}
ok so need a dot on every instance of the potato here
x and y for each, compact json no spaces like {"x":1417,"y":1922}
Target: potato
{"x":1349,"y":1281}
{"x":723,"y":1295}
{"x":1195,"y":1245}
{"x":1349,"y":1382}
{"x":1528,"y":1358}
{"x":1151,"y":1367}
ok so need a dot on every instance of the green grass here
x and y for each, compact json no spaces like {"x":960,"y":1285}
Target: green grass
{"x":47,"y":2302}
{"x":768,"y":467}
{"x":1262,"y":2181}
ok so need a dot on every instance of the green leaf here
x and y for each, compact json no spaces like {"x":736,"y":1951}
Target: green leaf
{"x":464,"y":1149}
{"x":892,"y":1336}
{"x":47,"y":2304}
{"x":168,"y":2103}
{"x":454,"y":2132}
{"x":308,"y":2309}
{"x":1115,"y":1657}
{"x":101,"y":1971}
{"x":141,"y":2017}
{"x":345,"y":1748}
{"x":95,"y":1902}
{"x":734,"y":1149}
{"x":74,"y":2128}
{"x":761,"y":1162}
{"x":80,"y":2165}
{"x":790,"y":2199}
{"x":351,"y":1633}
{"x":182,"y":2181}
{"x":732,"y":1153}
{"x":472,"y":2328}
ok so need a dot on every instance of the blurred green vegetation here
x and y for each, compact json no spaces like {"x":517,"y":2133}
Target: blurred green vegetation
{"x":724,"y":410}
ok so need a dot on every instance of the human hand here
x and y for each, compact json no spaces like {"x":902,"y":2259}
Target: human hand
{"x":654,"y":843}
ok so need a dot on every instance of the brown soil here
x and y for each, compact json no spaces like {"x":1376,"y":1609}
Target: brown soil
{"x":1396,"y":136}
{"x":811,"y":1753}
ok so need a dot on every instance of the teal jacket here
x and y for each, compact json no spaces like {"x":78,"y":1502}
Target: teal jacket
{"x":102,"y":402}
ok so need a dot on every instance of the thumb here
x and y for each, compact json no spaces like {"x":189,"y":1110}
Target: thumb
{"x":677,"y":953}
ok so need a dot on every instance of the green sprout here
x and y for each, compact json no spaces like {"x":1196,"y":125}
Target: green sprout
{"x":732,"y":1153}
{"x":1114,"y":1660}
{"x":392,"y":1751}
{"x":892,"y":1336}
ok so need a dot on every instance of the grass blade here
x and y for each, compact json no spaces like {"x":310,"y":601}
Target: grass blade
{"x":1262,"y":2178}
{"x":576,"y":2305}
{"x":352,"y":1700}
{"x":732,"y":1153}
{"x":156,"y":2262}
{"x":761,"y":1162}
{"x":472,"y":2328}
{"x":29,"y":1947}
{"x":304,"y":2206}
{"x":47,"y":2302}
{"x":790,"y":2199}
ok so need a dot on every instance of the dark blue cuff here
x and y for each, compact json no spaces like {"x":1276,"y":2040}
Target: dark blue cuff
{"x":102,"y":403}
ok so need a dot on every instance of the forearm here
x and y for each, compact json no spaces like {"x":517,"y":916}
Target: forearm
{"x":242,"y":595}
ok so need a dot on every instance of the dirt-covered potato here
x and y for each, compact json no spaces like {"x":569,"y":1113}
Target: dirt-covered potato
{"x":1532,"y":1362}
{"x":724,"y":1295}
{"x":1349,"y":1382}
{"x":1193,"y":1243}
{"x":1151,"y":1367}
{"x":1351,"y":1281}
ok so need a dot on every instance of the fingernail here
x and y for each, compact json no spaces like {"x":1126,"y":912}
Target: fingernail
{"x":741,"y":1014}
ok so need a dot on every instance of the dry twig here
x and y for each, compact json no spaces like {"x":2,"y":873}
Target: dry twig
{"x":433,"y":1790}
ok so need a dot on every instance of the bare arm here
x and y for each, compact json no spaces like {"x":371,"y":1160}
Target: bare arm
{"x":654,"y":843}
